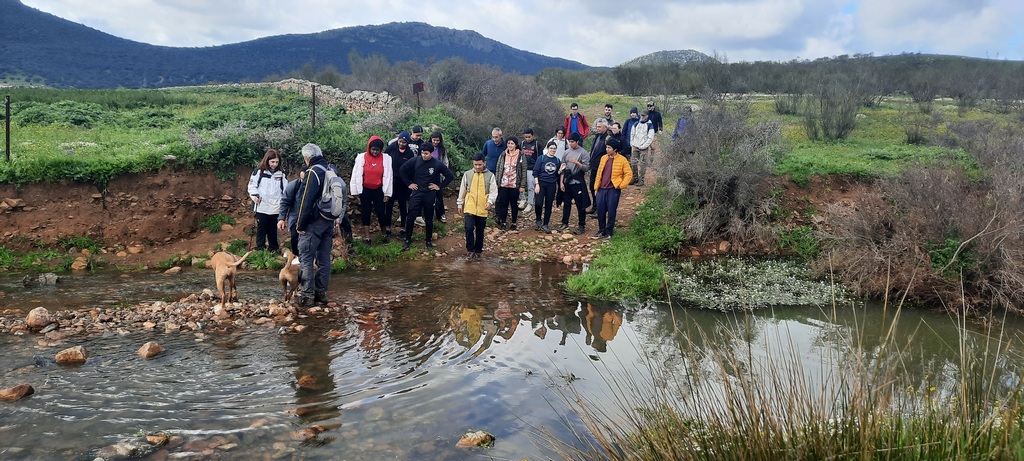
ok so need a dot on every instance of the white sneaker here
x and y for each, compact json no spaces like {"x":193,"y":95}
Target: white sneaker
{"x":444,"y":218}
{"x":420,"y":222}
{"x":528,"y":208}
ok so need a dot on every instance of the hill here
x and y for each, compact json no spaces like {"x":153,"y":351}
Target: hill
{"x":668,"y":56}
{"x":43,"y":49}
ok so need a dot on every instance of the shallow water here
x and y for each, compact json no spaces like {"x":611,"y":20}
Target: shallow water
{"x":478,"y":346}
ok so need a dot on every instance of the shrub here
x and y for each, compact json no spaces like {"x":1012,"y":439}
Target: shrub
{"x":721,"y":168}
{"x":264,"y":260}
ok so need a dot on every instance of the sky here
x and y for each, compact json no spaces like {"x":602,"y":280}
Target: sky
{"x":593,"y":32}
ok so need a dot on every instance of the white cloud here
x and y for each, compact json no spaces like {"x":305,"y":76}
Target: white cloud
{"x":598,"y":32}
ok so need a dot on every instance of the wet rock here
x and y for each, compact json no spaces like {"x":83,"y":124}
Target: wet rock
{"x":38,"y":318}
{"x":47,"y":279}
{"x":173,"y":270}
{"x":72,"y":355}
{"x":158,"y":439}
{"x":80,"y":263}
{"x":475,"y":439}
{"x":18,"y":392}
{"x":150,"y":350}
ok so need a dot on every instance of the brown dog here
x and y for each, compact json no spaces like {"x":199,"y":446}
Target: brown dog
{"x":224,"y":266}
{"x":290,"y":276}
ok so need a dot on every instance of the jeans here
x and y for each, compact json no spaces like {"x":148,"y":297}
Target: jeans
{"x":607,"y":206}
{"x":475,"y":226}
{"x":315,"y":247}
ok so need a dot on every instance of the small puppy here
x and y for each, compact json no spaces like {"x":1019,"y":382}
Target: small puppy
{"x":290,"y":275}
{"x":224,"y":266}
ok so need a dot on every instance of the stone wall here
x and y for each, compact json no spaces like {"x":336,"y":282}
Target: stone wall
{"x":355,"y":102}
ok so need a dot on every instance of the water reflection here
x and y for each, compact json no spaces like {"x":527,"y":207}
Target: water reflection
{"x":421,"y":356}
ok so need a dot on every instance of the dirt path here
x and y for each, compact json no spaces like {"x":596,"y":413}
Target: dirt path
{"x":143,"y":220}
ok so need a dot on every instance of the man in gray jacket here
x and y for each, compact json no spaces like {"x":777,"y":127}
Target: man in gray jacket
{"x":574,"y":183}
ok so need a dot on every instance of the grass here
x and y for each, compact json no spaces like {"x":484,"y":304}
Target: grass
{"x":215,"y":222}
{"x":725,"y":401}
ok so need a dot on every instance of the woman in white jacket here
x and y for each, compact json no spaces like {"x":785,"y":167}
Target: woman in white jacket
{"x":266,"y":187}
{"x":373,"y":181}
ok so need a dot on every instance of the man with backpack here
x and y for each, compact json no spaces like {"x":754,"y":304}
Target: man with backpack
{"x":320,"y":207}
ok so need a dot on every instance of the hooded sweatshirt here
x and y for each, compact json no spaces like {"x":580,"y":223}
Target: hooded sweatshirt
{"x":369,"y":172}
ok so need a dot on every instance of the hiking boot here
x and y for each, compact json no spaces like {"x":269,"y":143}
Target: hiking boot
{"x":537,"y":226}
{"x":579,"y":230}
{"x":320,"y":297}
{"x":545,"y":229}
{"x":304,"y":301}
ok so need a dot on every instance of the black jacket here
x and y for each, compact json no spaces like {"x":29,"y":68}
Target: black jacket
{"x":312,"y":189}
{"x":423,"y":173}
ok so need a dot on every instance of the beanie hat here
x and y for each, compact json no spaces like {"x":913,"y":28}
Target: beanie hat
{"x":404,"y":135}
{"x":633,"y":110}
{"x":378,"y":143}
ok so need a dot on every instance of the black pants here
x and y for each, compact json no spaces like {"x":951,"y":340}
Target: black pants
{"x":439,"y":205}
{"x":420,"y":201}
{"x":575,"y":193}
{"x":544,"y":200}
{"x":401,"y":197}
{"x":372,"y":201}
{"x":266,"y":232}
{"x":507,"y":196}
{"x":475,"y":232}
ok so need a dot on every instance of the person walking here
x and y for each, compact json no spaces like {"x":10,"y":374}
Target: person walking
{"x":266,"y":188}
{"x":400,"y":152}
{"x":573,"y":184}
{"x":426,"y":177}
{"x":477,"y":194}
{"x":545,"y":185}
{"x":641,"y":138}
{"x":576,"y":122}
{"x":315,"y":230}
{"x":613,"y":175}
{"x":511,"y":172}
{"x":372,"y":180}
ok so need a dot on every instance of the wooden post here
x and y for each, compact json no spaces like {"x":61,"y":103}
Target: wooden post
{"x":7,"y":126}
{"x":313,"y":112}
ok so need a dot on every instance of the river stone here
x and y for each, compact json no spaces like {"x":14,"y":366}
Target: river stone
{"x":150,"y":350}
{"x":72,"y":355}
{"x":475,"y":439}
{"x":173,"y":270}
{"x":80,"y":264}
{"x":38,"y":318}
{"x":16,"y":392}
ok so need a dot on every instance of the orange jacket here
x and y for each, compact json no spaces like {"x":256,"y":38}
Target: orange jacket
{"x":622,"y":174}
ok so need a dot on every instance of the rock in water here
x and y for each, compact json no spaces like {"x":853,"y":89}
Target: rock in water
{"x":72,"y":355}
{"x":17,"y":392}
{"x":476,"y":439}
{"x":150,"y":350}
{"x":38,"y":318}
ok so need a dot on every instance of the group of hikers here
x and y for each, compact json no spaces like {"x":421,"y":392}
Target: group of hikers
{"x":509,"y":175}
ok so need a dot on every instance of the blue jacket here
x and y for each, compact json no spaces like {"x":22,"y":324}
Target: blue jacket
{"x":290,"y":203}
{"x":491,"y":152}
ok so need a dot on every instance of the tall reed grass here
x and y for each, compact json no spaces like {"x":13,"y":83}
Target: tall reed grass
{"x":726,"y":400}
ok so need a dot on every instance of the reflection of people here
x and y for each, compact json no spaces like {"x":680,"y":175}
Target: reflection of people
{"x":266,"y":187}
{"x":477,"y":193}
{"x":602,"y":324}
{"x":469,"y":327}
{"x":506,"y":320}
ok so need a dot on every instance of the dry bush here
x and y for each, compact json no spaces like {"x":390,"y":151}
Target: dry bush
{"x":936,"y":236}
{"x":723,"y":165}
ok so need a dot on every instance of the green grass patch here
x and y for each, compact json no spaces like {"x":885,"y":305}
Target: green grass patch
{"x":215,"y":222}
{"x":621,"y":270}
{"x":800,"y":240}
{"x":264,"y":260}
{"x":81,"y":243}
{"x":238,"y":247}
{"x":377,"y":254}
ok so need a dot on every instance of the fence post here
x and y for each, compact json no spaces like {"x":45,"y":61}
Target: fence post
{"x":7,"y":126}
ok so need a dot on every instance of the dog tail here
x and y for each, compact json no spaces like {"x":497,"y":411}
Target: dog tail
{"x":289,"y":257}
{"x":241,"y":260}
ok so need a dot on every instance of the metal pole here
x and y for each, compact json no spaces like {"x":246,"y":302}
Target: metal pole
{"x":7,"y":126}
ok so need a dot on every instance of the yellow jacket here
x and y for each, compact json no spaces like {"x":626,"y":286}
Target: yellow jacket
{"x":621,"y":173}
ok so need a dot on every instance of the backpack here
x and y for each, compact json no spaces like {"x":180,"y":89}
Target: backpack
{"x":334,"y":197}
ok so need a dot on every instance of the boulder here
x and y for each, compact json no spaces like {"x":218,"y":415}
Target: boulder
{"x":173,"y":270}
{"x":17,"y":392}
{"x":150,"y":350}
{"x":72,"y":355}
{"x":80,"y":263}
{"x":38,"y":318}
